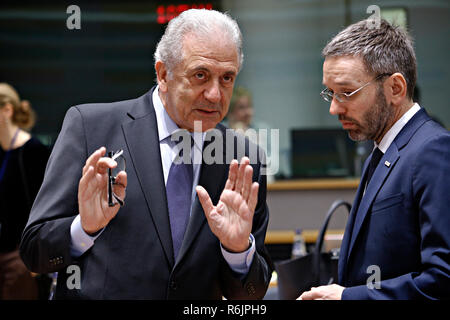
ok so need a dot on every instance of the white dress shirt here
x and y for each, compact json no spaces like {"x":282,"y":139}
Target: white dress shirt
{"x":81,"y":241}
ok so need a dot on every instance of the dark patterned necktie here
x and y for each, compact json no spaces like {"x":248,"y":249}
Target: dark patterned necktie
{"x":377,"y":154}
{"x":179,"y":194}
{"x":376,"y":157}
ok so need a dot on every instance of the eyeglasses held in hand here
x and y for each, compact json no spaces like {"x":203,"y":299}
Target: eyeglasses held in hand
{"x":117,"y":156}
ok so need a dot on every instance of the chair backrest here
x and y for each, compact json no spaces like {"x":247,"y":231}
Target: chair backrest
{"x":300,"y":274}
{"x":320,"y":238}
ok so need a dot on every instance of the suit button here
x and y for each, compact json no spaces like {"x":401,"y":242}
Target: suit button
{"x":173,"y":285}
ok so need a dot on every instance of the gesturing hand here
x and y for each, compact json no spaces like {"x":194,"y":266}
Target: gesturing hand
{"x":95,"y":213}
{"x":231,"y":219}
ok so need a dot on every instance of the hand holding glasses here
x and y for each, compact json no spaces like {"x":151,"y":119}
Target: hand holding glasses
{"x":117,"y":156}
{"x":102,"y":186}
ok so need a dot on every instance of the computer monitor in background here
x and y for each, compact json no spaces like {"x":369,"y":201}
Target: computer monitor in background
{"x":321,"y":153}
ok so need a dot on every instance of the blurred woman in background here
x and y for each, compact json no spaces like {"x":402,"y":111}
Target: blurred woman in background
{"x":241,"y":117}
{"x":22,"y":164}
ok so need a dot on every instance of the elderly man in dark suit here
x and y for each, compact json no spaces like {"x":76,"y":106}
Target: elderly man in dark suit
{"x":397,"y":241}
{"x":161,"y":228}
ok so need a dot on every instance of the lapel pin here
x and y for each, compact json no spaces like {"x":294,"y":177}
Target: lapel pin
{"x":387,"y":163}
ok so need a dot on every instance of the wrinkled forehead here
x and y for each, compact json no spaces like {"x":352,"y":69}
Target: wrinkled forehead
{"x":212,"y":44}
{"x":344,"y":70}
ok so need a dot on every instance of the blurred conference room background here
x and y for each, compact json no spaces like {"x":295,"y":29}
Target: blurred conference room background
{"x":111,"y":58}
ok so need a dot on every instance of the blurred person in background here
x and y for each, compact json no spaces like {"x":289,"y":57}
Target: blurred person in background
{"x":241,"y":117}
{"x":241,"y":111}
{"x":22,"y":164}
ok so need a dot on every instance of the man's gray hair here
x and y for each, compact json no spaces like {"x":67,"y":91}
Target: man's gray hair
{"x":387,"y":49}
{"x":202,"y":23}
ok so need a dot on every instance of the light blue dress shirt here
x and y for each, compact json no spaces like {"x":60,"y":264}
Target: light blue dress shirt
{"x":81,"y":241}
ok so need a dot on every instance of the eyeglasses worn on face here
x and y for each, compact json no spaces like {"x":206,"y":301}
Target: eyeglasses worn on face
{"x":117,"y":156}
{"x":328,"y":94}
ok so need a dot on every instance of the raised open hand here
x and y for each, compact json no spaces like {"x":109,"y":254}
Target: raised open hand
{"x":231,"y":219}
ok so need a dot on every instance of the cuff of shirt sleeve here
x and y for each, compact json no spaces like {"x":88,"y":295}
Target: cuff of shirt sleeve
{"x":240,"y":262}
{"x":80,"y":240}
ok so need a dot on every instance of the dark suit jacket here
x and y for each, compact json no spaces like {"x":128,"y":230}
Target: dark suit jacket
{"x":133,"y":257}
{"x":403,"y":220}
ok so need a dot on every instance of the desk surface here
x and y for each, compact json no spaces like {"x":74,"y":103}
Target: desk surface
{"x":314,"y":184}
{"x":310,"y":236}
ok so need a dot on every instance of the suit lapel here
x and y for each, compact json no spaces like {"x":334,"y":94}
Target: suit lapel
{"x":379,"y":176}
{"x":351,"y":221}
{"x":141,"y":135}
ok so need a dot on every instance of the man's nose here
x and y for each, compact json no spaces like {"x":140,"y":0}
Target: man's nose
{"x":212,"y":92}
{"x":336,"y":107}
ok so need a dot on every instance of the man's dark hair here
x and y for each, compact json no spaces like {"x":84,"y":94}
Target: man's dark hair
{"x":384,"y":49}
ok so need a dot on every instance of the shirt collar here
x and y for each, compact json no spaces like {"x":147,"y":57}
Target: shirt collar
{"x":396,"y":128}
{"x":166,"y":126}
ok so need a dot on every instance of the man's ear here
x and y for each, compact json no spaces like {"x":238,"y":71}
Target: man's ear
{"x":161,"y":75}
{"x":397,"y":88}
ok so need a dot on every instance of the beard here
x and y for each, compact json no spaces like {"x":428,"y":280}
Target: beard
{"x":374,"y":120}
